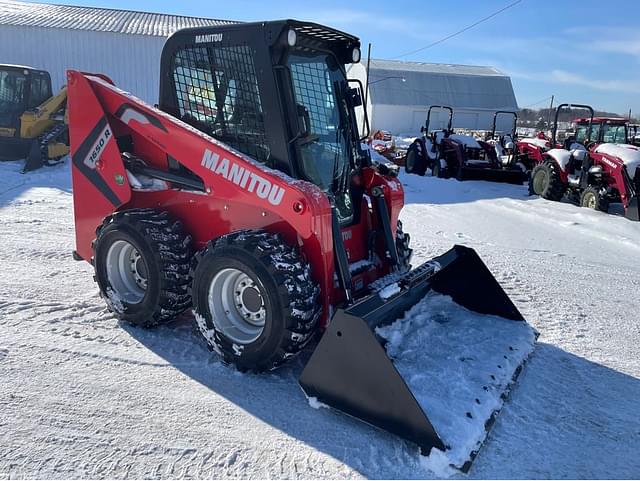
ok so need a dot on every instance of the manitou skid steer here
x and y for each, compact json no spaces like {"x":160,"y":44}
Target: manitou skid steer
{"x":463,"y":157}
{"x":32,"y":119}
{"x":247,"y":196}
{"x":596,"y":167}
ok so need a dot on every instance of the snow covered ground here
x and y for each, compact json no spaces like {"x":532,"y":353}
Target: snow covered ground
{"x":82,"y":395}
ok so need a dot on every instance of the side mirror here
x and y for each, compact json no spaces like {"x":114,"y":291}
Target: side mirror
{"x":354,"y":98}
{"x":422,"y":129}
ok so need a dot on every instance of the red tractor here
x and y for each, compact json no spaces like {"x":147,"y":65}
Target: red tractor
{"x":634,"y":134}
{"x":531,"y":151}
{"x":505,"y":144}
{"x":246,"y":195}
{"x":596,"y":167}
{"x":463,"y":157}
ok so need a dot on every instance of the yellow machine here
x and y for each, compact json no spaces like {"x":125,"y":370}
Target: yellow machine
{"x":33,"y":121}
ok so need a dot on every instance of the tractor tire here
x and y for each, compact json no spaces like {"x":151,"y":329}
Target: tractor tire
{"x":545,"y":181}
{"x":403,"y":249}
{"x":254,"y":300}
{"x":142,"y":260}
{"x":438,"y":171}
{"x":593,"y":198}
{"x":415,"y":162}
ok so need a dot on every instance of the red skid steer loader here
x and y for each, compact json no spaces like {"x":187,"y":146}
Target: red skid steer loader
{"x":246,"y":195}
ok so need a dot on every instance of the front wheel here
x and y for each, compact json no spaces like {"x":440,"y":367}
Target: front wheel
{"x":545,"y":181}
{"x":415,"y":162}
{"x":593,"y":198}
{"x":438,"y":170}
{"x":254,"y":300}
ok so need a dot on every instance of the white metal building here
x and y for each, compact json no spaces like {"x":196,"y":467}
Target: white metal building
{"x":124,"y":45}
{"x":401,"y":92}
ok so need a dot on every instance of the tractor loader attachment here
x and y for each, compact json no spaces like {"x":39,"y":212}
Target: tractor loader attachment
{"x":632,"y":212}
{"x":351,"y":371}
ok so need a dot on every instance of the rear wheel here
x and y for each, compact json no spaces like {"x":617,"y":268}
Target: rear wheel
{"x":141,"y":260}
{"x":415,"y":162}
{"x":593,"y":198}
{"x":545,"y":181}
{"x":254,"y":300}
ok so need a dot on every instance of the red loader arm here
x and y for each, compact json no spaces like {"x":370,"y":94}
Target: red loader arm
{"x":239,"y":193}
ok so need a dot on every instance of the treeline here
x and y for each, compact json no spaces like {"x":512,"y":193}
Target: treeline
{"x":540,"y":118}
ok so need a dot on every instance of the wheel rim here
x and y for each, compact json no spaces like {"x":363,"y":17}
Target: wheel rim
{"x":589,"y":200}
{"x":237,"y":306}
{"x":127,"y":272}
{"x":539,"y":181}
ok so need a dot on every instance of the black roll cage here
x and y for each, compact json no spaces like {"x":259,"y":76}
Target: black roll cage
{"x":495,"y":118}
{"x":268,"y":42}
{"x":571,"y":106}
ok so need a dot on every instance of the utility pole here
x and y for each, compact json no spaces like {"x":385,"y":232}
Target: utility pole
{"x":629,"y":115}
{"x":550,"y":110}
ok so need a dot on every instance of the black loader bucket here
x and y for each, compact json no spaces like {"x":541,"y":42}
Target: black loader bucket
{"x":632,"y":212}
{"x":34,"y":157}
{"x":507,"y":176}
{"x":351,"y":371}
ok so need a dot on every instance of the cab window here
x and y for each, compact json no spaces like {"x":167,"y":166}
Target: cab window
{"x":217,"y":91}
{"x":615,"y":134}
{"x":582,"y":131}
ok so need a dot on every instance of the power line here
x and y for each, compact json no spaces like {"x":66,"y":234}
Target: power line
{"x":459,"y":31}
{"x":538,"y":102}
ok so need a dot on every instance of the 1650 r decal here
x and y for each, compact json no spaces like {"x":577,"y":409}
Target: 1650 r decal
{"x":247,"y":180}
{"x":98,"y":147}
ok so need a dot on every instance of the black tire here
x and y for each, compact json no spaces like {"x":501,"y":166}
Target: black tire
{"x":545,"y":181}
{"x":594,"y":198}
{"x":415,"y":161}
{"x":438,"y":171}
{"x":402,"y":247}
{"x":286,"y":291}
{"x":164,"y":261}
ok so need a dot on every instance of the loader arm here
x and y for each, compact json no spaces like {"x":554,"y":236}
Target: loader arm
{"x":34,"y":122}
{"x":238,"y":193}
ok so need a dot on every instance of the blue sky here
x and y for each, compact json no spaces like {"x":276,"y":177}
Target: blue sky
{"x":583,"y":51}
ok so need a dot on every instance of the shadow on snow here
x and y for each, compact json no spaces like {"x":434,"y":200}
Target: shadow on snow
{"x":567,"y":417}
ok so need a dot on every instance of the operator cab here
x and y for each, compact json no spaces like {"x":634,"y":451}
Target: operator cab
{"x":277,"y":92}
{"x":603,"y":130}
{"x":21,"y":89}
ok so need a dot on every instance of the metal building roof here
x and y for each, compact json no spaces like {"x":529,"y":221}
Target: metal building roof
{"x":443,"y":68}
{"x":97,"y":19}
{"x":394,"y":82}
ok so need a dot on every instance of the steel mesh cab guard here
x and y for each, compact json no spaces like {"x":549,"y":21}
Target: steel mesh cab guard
{"x":249,"y":117}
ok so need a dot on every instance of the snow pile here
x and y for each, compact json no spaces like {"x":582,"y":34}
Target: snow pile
{"x":457,"y":363}
{"x":389,"y":291}
{"x":542,"y":143}
{"x":562,"y":156}
{"x":466,"y":140}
